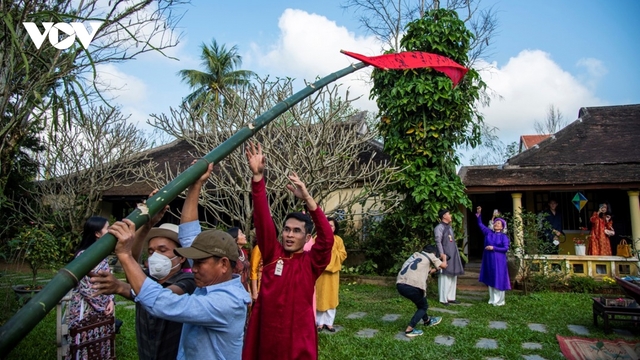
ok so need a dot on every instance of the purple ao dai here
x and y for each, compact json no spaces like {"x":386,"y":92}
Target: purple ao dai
{"x":494,"y":271}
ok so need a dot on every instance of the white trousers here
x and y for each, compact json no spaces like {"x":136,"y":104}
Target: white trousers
{"x":325,"y":317}
{"x":496,"y":297}
{"x":447,"y":287}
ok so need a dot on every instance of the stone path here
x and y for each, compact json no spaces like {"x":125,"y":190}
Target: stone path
{"x":538,"y":327}
{"x":497,"y":325}
{"x":391,"y":317}
{"x":482,"y":343}
{"x":447,"y":341}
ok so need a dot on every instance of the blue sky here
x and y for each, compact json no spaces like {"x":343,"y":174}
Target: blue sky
{"x":570,"y":53}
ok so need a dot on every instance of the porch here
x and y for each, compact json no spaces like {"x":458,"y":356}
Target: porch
{"x":596,"y":267}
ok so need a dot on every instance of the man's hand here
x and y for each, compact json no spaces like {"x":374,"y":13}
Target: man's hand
{"x":478,"y":210}
{"x":488,"y":247}
{"x":125,"y":232}
{"x":205,"y":177}
{"x":299,"y":189}
{"x":106,"y":284}
{"x":444,"y":265}
{"x":256,"y":160}
{"x":157,"y":217}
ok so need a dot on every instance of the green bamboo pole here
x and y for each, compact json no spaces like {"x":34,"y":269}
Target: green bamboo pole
{"x":14,"y":330}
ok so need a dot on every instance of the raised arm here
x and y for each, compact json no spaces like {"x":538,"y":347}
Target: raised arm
{"x":265,"y":229}
{"x":189,"y":223}
{"x":321,"y":251}
{"x":485,"y":230}
{"x":190,"y":207}
{"x":143,"y":231}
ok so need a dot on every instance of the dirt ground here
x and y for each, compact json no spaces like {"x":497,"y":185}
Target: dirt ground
{"x":14,"y":267}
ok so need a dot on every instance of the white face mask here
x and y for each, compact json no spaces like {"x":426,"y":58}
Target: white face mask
{"x":160,"y":265}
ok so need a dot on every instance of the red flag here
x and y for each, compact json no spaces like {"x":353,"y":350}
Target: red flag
{"x":414,"y":60}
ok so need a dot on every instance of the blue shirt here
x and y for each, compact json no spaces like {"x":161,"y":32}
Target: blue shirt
{"x":213,"y":316}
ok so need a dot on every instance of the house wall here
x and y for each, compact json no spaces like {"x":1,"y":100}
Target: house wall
{"x":358,"y":211}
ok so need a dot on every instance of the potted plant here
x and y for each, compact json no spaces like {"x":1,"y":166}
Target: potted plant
{"x":40,"y":249}
{"x":580,"y":242}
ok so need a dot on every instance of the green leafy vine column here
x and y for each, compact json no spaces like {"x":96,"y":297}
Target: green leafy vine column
{"x":424,"y":119}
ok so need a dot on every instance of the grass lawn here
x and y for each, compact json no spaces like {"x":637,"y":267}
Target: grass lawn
{"x":555,"y":310}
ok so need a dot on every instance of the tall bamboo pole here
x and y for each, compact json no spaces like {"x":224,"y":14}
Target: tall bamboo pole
{"x":14,"y":330}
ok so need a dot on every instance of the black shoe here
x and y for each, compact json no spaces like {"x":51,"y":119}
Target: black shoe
{"x":118,"y":325}
{"x":330,"y":329}
{"x":444,"y":304}
{"x":454,"y":302}
{"x":319,"y":328}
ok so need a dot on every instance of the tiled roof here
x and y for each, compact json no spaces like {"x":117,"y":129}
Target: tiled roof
{"x":528,"y":141}
{"x":176,"y":156}
{"x":598,"y":149}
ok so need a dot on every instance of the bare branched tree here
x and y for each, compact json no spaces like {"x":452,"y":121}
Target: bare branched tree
{"x":386,"y":19}
{"x":97,"y":153}
{"x":492,"y":151}
{"x":321,"y":139}
{"x":49,"y":86}
{"x":553,"y":123}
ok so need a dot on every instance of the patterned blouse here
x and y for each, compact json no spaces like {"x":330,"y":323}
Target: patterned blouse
{"x":83,"y":304}
{"x":243,"y":268}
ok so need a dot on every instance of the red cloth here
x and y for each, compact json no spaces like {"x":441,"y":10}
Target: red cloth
{"x":414,"y":60}
{"x":599,"y":243}
{"x":282,"y":322}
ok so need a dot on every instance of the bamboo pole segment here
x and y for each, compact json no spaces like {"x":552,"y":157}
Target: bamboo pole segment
{"x":16,"y":328}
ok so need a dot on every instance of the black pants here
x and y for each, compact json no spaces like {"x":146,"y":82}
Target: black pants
{"x":417,"y":296}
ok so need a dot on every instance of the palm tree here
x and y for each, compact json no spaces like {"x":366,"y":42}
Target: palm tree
{"x":220,"y":76}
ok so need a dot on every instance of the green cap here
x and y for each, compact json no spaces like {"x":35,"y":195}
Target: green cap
{"x":210,"y":243}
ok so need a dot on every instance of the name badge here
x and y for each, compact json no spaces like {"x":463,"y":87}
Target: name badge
{"x":450,"y":238}
{"x":279,"y":266}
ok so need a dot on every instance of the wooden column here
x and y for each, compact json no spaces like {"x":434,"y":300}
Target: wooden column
{"x":517,"y":211}
{"x":634,"y":211}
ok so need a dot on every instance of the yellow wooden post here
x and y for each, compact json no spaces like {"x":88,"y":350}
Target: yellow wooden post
{"x":517,"y":217}
{"x":634,"y":211}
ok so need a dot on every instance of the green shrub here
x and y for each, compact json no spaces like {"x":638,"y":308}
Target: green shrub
{"x":368,"y":267}
{"x":39,"y":248}
{"x":583,"y":284}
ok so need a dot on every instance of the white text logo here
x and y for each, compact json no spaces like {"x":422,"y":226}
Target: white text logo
{"x":70,"y":29}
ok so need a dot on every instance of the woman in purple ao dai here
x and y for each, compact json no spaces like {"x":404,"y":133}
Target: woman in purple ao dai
{"x":493,"y":271}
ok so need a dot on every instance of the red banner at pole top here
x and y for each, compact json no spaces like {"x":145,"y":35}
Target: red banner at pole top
{"x":414,"y":60}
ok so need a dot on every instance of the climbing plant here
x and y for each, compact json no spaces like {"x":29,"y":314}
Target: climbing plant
{"x":424,"y":118}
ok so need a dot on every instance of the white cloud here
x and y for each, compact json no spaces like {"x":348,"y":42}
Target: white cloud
{"x":595,"y":71}
{"x":528,"y":84}
{"x":128,"y":92}
{"x":309,"y":47}
{"x":126,"y":89}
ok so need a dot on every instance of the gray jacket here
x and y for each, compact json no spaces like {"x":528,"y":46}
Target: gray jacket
{"x":447,"y":244}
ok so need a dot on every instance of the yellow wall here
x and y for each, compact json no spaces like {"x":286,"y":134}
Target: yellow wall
{"x":333,"y":201}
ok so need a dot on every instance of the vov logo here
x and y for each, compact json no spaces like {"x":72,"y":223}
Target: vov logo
{"x":72,"y":30}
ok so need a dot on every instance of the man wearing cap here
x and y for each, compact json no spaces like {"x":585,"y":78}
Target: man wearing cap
{"x":282,"y":324}
{"x":157,"y":338}
{"x":214,"y":315}
{"x":448,"y":249}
